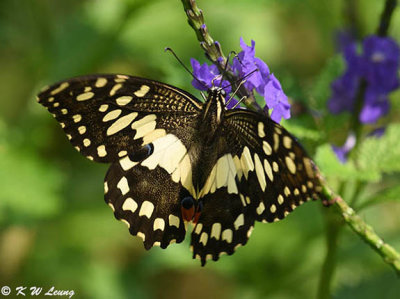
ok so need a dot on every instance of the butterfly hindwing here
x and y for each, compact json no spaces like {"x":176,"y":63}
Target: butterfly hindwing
{"x":107,"y":117}
{"x":223,"y":226}
{"x":151,"y":209}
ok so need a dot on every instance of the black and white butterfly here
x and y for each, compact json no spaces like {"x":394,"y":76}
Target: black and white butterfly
{"x":175,"y":160}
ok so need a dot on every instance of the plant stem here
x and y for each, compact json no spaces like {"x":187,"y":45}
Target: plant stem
{"x":364,"y":231}
{"x":333,"y":229}
{"x":386,"y":16}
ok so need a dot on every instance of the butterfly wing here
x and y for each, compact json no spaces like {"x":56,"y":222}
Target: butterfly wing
{"x":144,"y":128}
{"x":262,"y":174}
{"x":272,"y":168}
{"x":107,"y":116}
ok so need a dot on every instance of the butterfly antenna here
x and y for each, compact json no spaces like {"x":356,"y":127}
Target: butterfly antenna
{"x":184,"y":66}
{"x":226,"y":66}
{"x":234,"y":93}
{"x":238,"y":103}
{"x":241,"y":79}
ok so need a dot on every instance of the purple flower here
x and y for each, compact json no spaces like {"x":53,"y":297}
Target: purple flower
{"x":342,"y":151}
{"x":344,"y":91}
{"x":247,"y":63}
{"x":207,"y":76}
{"x":376,"y":105}
{"x":257,"y":78}
{"x":276,"y":99}
{"x":378,"y":65}
{"x":262,"y":81}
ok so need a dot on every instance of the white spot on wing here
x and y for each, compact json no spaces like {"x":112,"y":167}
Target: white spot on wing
{"x":204,"y":238}
{"x":103,"y":108}
{"x":130,"y":205}
{"x":216,"y":231}
{"x":121,"y":123}
{"x":101,"y":151}
{"x":246,"y":162}
{"x":82,"y":130}
{"x":100,"y":82}
{"x":261,"y":132}
{"x":173,"y":221}
{"x":123,"y":185}
{"x":77,"y":118}
{"x":227,"y":235}
{"x":268,"y":170}
{"x":115,"y":88}
{"x":112,"y":115}
{"x":85,"y":96}
{"x":260,"y":172}
{"x":260,"y":209}
{"x":290,"y":164}
{"x":159,"y":223}
{"x":127,"y":163}
{"x":239,"y":221}
{"x":146,"y":209}
{"x":267,"y":148}
{"x":144,"y":89}
{"x":124,"y":100}
{"x":287,"y":142}
{"x":60,"y":88}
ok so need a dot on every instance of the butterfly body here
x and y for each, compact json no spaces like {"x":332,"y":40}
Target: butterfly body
{"x":175,"y":159}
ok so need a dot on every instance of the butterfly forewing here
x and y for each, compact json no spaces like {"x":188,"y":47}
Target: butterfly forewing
{"x":107,"y":116}
{"x":273,"y":169}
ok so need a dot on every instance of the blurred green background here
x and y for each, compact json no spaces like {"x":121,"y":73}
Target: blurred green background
{"x":55,"y":229}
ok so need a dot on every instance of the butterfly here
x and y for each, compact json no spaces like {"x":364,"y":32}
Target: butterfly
{"x":177,"y":160}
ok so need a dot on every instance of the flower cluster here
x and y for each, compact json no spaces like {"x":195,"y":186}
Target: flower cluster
{"x":378,"y":65}
{"x":257,"y":77}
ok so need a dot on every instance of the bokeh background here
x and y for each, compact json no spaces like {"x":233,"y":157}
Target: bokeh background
{"x":55,"y":229}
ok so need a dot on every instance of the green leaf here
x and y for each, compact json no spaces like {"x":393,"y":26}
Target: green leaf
{"x":331,"y":167}
{"x":381,"y":154}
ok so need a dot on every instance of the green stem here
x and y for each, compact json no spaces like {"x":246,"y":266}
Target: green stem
{"x":363,"y":230}
{"x":333,"y":227}
{"x":386,"y":16}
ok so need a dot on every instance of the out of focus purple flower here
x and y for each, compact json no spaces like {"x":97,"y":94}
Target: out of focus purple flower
{"x":376,"y":104}
{"x":378,"y":65}
{"x":342,"y":151}
{"x":378,"y":132}
{"x":344,"y":91}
